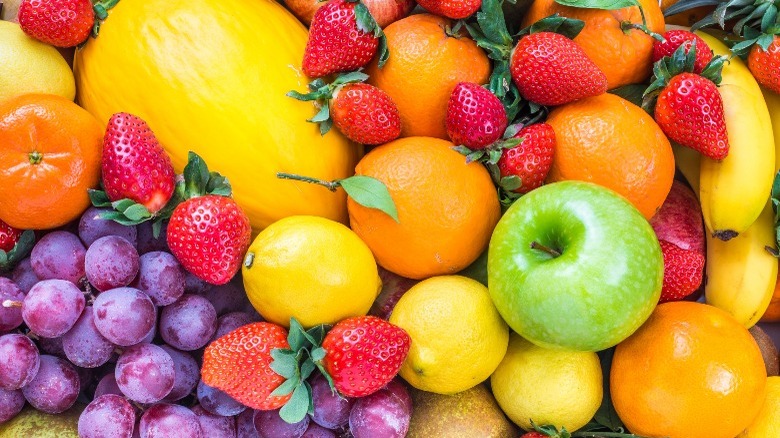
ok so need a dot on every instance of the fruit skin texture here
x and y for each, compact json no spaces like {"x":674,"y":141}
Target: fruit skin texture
{"x":679,"y":220}
{"x":767,"y":423}
{"x":475,"y":116}
{"x":175,"y":79}
{"x":555,"y":387}
{"x":32,"y":422}
{"x":365,"y":114}
{"x":363,"y":354}
{"x":8,"y":236}
{"x":683,"y":272}
{"x":438,"y":195}
{"x":724,"y":384}
{"x":312,"y":268}
{"x":765,"y":65}
{"x":455,"y":9}
{"x":424,"y":66}
{"x":609,"y":141}
{"x":530,"y":160}
{"x":61,"y":23}
{"x":550,"y":69}
{"x":67,"y":140}
{"x":601,"y":288}
{"x":677,"y":37}
{"x":239,"y":365}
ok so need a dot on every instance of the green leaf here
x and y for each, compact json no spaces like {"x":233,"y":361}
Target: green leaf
{"x":286,"y":365}
{"x":318,"y":354}
{"x":383,"y":51}
{"x":306,"y":369}
{"x":298,"y":405}
{"x":99,"y":198}
{"x":300,"y":96}
{"x":632,"y":93}
{"x":511,"y":183}
{"x":568,"y":27}
{"x":370,"y":192}
{"x":688,"y":5}
{"x":22,"y":248}
{"x":463,"y":150}
{"x":492,"y":23}
{"x":196,"y":175}
{"x":608,"y":5}
{"x":296,"y":336}
{"x":286,"y":387}
{"x":765,"y":40}
{"x":218,"y":185}
{"x":365,"y":22}
{"x":316,"y":334}
{"x":137,"y":212}
{"x":349,"y":78}
{"x":606,"y":414}
{"x":494,"y":155}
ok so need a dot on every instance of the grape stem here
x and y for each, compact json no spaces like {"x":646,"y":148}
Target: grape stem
{"x":12,"y":303}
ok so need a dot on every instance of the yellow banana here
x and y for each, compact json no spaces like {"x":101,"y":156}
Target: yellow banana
{"x":688,"y":162}
{"x":773,"y":103}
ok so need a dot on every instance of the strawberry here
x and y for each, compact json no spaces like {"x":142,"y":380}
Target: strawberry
{"x":683,"y":271}
{"x":8,"y":236}
{"x":476,"y":118}
{"x":455,"y":9}
{"x":534,"y":435}
{"x":239,"y":364}
{"x":531,"y":160}
{"x":550,"y":69}
{"x":61,"y":23}
{"x":765,"y":64}
{"x":365,"y":114}
{"x":363,"y":354}
{"x":209,"y":236}
{"x":134,"y":164}
{"x":673,"y":39}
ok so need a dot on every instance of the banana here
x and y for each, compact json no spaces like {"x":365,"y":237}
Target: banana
{"x":772,"y":100}
{"x":688,"y":162}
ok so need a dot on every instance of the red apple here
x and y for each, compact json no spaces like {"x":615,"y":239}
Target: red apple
{"x":679,"y":220}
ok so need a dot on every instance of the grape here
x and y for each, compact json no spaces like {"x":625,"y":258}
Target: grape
{"x":146,"y":240}
{"x":109,"y":415}
{"x":331,"y":410}
{"x":107,"y":385}
{"x":145,"y":373}
{"x":186,"y":374}
{"x":229,"y":322}
{"x":24,"y":276}
{"x":52,"y":307}
{"x":270,"y":425}
{"x":215,"y":426}
{"x":189,"y":323}
{"x":217,"y":402}
{"x":92,"y":227}
{"x":195,"y":285}
{"x":55,"y":386}
{"x":399,"y":390}
{"x":84,"y":345}
{"x":19,"y":361}
{"x":229,"y":297}
{"x":316,"y":431}
{"x":382,"y":413}
{"x":11,"y":403}
{"x":165,"y":420}
{"x":124,"y":315}
{"x":161,"y":277}
{"x":52,"y":347}
{"x":59,"y":255}
{"x":111,"y":262}
{"x":10,"y":317}
{"x":245,"y":425}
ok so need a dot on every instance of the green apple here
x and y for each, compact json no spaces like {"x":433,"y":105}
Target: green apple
{"x":574,"y":265}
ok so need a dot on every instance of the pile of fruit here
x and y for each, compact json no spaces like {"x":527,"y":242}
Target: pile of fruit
{"x":389,"y":218}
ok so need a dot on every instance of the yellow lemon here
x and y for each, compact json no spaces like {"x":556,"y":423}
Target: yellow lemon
{"x":556,"y":387}
{"x":30,"y":66}
{"x":311,"y":268}
{"x":458,"y":337}
{"x":767,"y":424}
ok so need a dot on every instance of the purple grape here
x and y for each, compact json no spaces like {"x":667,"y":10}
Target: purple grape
{"x":229,"y":297}
{"x":270,"y":425}
{"x":245,"y":425}
{"x":109,"y":415}
{"x":24,"y":276}
{"x":124,"y":315}
{"x":107,"y":385}
{"x":146,"y":240}
{"x":195,"y":285}
{"x":189,"y":323}
{"x":55,"y":386}
{"x":215,"y":426}
{"x":52,"y":347}
{"x":19,"y":361}
{"x":52,"y":307}
{"x":92,"y":227}
{"x":111,"y":262}
{"x":59,"y":255}
{"x":165,"y":420}
{"x":217,"y":402}
{"x":10,"y":316}
{"x":84,"y":345}
{"x":331,"y":410}
{"x":186,"y":374}
{"x":161,"y":277}
{"x":229,"y":322}
{"x":145,"y":373}
{"x":11,"y":403}
{"x":149,"y":339}
{"x":316,"y":431}
{"x":379,"y":414}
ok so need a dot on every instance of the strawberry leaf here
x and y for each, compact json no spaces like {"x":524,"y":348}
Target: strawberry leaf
{"x":318,"y":354}
{"x":370,"y":192}
{"x":568,"y":27}
{"x":306,"y":369}
{"x":286,"y":387}
{"x":298,"y":405}
{"x":632,"y":93}
{"x":22,"y":248}
{"x":284,"y":364}
{"x":383,"y":50}
{"x":199,"y":181}
{"x":510,"y":183}
{"x":99,"y":198}
{"x":296,"y":336}
{"x":607,"y":5}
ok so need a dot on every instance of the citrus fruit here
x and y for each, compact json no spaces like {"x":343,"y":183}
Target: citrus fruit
{"x":610,"y":141}
{"x":311,"y":268}
{"x":622,"y":53}
{"x":50,"y":151}
{"x":426,"y":61}
{"x":458,"y":337}
{"x":447,"y":208}
{"x":556,"y":387}
{"x":767,"y":423}
{"x":690,"y":371}
{"x":30,"y":66}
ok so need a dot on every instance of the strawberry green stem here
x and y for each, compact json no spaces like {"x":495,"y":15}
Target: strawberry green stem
{"x":626,"y":26}
{"x":330,"y":185}
{"x":553,"y":252}
{"x":35,"y":157}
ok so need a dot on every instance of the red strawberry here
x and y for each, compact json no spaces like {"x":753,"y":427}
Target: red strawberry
{"x":550,"y":69}
{"x":134,"y":165}
{"x":531,"y":159}
{"x":676,"y":38}
{"x":455,"y":9}
{"x":8,"y":236}
{"x":689,"y":110}
{"x":209,"y":236}
{"x":534,"y":435}
{"x":61,"y":23}
{"x":365,"y":114}
{"x":336,"y":41}
{"x":239,"y":362}
{"x":765,"y":64}
{"x":363,"y":354}
{"x":683,"y":271}
{"x":476,"y":118}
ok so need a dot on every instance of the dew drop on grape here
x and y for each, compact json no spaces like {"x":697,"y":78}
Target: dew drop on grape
{"x":111,"y":262}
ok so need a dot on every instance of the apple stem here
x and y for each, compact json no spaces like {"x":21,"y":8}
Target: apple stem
{"x":536,"y":245}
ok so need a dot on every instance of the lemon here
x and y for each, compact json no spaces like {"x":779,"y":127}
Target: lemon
{"x":555,"y":387}
{"x":458,"y":337}
{"x":767,"y":424}
{"x":311,"y":268}
{"x":30,"y":66}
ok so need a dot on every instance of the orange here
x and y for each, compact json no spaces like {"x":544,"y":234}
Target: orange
{"x":50,"y":150}
{"x":610,"y":141}
{"x":625,"y":56}
{"x":426,"y":62}
{"x":447,"y":208}
{"x":772,"y":313}
{"x":690,"y":371}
